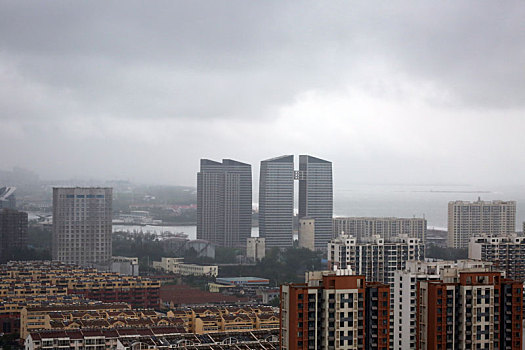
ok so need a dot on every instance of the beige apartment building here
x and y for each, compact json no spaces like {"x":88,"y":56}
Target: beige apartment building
{"x":469,"y":219}
{"x":365,"y":227}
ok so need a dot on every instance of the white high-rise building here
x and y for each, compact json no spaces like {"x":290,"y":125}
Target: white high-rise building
{"x":404,"y":296}
{"x":469,"y":219}
{"x":506,"y":252}
{"x":375,"y":258}
{"x":82,"y":225}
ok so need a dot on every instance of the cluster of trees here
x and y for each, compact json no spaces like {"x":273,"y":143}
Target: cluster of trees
{"x":279,"y":266}
{"x":436,"y":252}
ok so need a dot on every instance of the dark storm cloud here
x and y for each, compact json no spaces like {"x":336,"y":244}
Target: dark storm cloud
{"x":171,"y":73}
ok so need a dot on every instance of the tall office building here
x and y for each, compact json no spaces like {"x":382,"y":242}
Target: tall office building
{"x":13,"y":233}
{"x":387,"y":228}
{"x":316,"y":196}
{"x":82,"y":225}
{"x":224,"y":202}
{"x":468,"y":219}
{"x":276,"y":200}
{"x":376,"y":258}
{"x":473,"y":308}
{"x":335,"y":310}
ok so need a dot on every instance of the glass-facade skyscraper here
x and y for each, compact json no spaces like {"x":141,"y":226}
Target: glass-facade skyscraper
{"x":276,"y":200}
{"x":316,"y":196}
{"x":224,"y":202}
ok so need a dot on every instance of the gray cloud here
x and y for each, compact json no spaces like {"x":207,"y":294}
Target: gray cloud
{"x":104,"y":86}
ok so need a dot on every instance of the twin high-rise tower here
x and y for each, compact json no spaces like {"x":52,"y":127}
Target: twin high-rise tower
{"x":224,"y":200}
{"x":276,"y":199}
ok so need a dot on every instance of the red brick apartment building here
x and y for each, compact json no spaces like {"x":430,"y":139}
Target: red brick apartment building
{"x":335,"y":310}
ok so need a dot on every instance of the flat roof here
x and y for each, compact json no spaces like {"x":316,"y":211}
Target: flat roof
{"x":242,"y":280}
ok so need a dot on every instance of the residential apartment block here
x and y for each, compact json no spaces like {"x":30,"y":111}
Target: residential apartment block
{"x":507,"y":253}
{"x":208,"y":319}
{"x":334,"y":310}
{"x":82,"y":219}
{"x":153,"y":338}
{"x":224,"y":202}
{"x":404,"y":296}
{"x":387,"y":228}
{"x":36,"y":278}
{"x":469,"y":219}
{"x":473,"y":308}
{"x":375,"y":258}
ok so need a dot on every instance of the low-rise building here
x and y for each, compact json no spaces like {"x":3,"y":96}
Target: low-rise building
{"x":243,"y":281}
{"x":153,"y":338}
{"x":125,"y":266}
{"x":177,"y":266}
{"x":36,"y":278}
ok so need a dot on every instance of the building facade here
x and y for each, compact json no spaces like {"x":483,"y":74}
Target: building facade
{"x":224,"y":202}
{"x":255,"y":248}
{"x":13,"y":233}
{"x":470,"y":309}
{"x":468,"y":219}
{"x":507,"y":253}
{"x":82,"y":229}
{"x":276,"y":201}
{"x":376,"y":258}
{"x":387,"y":228}
{"x":316,"y":196}
{"x":404,"y":296}
{"x":334,"y":310}
{"x":306,"y":234}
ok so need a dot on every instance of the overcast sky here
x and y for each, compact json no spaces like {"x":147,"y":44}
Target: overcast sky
{"x":390,"y":91}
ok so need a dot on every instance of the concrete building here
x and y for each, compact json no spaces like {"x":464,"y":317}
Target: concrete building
{"x":306,"y":236}
{"x":13,"y":233}
{"x":507,"y":253}
{"x":82,"y":225}
{"x":375,"y":258}
{"x":404,"y":296}
{"x":7,"y":197}
{"x":276,"y":201}
{"x":468,"y":219}
{"x":472,"y":308}
{"x":255,"y":248}
{"x":224,"y":202}
{"x":316,"y":196}
{"x":384,"y":227}
{"x":197,"y":270}
{"x":124,"y":265}
{"x":177,"y":266}
{"x":334,"y":310}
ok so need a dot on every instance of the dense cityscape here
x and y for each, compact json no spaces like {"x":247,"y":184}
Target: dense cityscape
{"x":288,"y":175}
{"x":306,"y":280}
